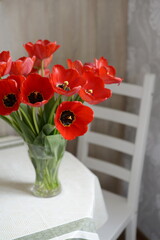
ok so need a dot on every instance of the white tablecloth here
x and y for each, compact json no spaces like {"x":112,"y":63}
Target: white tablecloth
{"x":70,"y":215}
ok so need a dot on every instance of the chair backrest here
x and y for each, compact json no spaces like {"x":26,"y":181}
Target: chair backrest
{"x":136,"y":150}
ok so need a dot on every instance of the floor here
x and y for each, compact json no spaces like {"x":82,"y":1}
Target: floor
{"x":140,"y":236}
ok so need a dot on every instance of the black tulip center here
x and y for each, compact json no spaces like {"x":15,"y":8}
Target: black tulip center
{"x":64,"y":86}
{"x":9,"y":100}
{"x":67,"y":117}
{"x":35,"y":97}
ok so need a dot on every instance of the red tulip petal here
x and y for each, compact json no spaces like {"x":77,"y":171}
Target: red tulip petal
{"x":36,"y":90}
{"x":5,"y":63}
{"x":9,"y":96}
{"x":77,"y":126}
{"x":66,"y":81}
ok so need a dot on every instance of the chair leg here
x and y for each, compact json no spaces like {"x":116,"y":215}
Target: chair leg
{"x":131,"y":230}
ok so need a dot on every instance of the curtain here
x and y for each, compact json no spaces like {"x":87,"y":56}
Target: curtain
{"x":144,"y":56}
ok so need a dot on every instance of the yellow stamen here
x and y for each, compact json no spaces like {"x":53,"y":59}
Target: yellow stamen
{"x":69,"y":117}
{"x":89,"y":91}
{"x":66,"y":83}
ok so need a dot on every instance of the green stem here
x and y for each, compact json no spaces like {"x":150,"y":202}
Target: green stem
{"x":70,"y":98}
{"x":6,"y":119}
{"x":54,"y":109}
{"x":78,"y":98}
{"x":42,"y":68}
{"x":16,"y":127}
{"x":34,"y":119}
{"x":48,"y":177}
{"x":40,"y":111}
{"x":55,"y":131}
{"x":27,"y":120}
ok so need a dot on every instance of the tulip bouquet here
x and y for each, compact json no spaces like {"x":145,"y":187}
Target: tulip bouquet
{"x":46,"y":107}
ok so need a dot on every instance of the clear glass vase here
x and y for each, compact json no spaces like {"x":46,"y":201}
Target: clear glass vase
{"x":46,"y":158}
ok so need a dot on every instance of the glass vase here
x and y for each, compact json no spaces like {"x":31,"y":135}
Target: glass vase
{"x":46,"y":158}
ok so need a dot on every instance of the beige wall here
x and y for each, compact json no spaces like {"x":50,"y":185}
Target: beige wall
{"x":84,"y":28}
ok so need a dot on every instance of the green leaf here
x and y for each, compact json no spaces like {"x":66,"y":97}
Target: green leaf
{"x":46,"y":130}
{"x":47,"y":109}
{"x":59,"y":144}
{"x":39,"y":140}
{"x":27,"y":110}
{"x":28,"y":135}
{"x":26,"y":117}
{"x":40,"y":118}
{"x":34,"y":117}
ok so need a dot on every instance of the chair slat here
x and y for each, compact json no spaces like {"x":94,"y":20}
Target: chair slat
{"x":10,"y":141}
{"x":108,"y":168}
{"x":126,"y":89}
{"x":110,"y":142}
{"x":116,"y":116}
{"x":141,"y":137}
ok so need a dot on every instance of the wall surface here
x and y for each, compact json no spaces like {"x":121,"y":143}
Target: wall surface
{"x":85,"y":29}
{"x":144,"y":56}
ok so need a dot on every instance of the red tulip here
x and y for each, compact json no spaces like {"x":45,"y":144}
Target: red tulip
{"x":106,"y":72}
{"x":66,"y":81}
{"x":5,"y":63}
{"x":94,"y":90}
{"x":78,"y":65}
{"x":72,"y":118}
{"x":19,"y":79}
{"x":41,"y":49}
{"x":22,"y":66}
{"x":9,"y":96}
{"x":46,"y":62}
{"x":36,"y":90}
{"x":99,"y":68}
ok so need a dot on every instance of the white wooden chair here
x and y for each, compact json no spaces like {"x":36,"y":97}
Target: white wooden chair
{"x":122,"y":211}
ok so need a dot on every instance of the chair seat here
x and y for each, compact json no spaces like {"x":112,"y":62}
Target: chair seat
{"x":119,"y":216}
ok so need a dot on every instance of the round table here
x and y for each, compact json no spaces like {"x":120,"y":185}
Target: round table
{"x":75,"y":213}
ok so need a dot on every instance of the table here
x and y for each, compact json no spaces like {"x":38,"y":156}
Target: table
{"x":75,"y":213}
